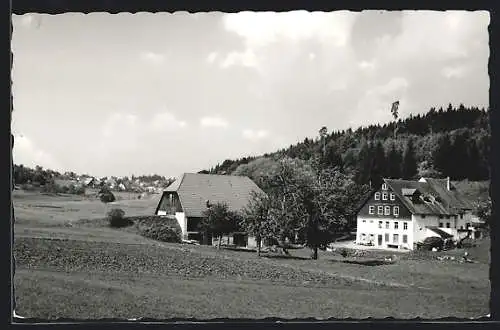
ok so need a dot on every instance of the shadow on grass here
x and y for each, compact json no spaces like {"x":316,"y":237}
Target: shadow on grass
{"x":282,"y":256}
{"x":370,"y":262}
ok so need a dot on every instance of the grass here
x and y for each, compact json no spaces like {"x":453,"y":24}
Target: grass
{"x":91,"y":271}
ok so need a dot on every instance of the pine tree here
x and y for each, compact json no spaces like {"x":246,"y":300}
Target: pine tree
{"x":409,"y":168}
{"x":379,"y":164}
{"x":394,"y":160}
{"x":441,"y":157}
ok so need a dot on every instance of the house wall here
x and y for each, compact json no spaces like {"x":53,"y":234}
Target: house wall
{"x":182,"y":220}
{"x":373,"y":227}
{"x":368,"y":220}
{"x":421,"y":222}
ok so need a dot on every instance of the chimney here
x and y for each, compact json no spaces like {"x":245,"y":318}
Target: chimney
{"x":448,"y":183}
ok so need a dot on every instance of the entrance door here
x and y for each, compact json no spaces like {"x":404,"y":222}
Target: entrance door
{"x":379,"y":240}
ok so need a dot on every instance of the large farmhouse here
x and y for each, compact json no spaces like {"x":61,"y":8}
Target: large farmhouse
{"x":402,"y":213}
{"x":189,"y":196}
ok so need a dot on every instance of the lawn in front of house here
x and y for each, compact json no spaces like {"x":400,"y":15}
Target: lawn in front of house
{"x":88,"y":270}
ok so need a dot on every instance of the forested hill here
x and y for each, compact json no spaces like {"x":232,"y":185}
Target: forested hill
{"x":450,"y":142}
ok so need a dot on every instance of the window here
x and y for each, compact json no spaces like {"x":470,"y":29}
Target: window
{"x":371,"y":209}
{"x":461,"y":216}
{"x":393,"y":197}
{"x":377,"y":196}
{"x":364,"y":221}
{"x":395,"y":210}
{"x":380,"y":210}
{"x":461,"y":227}
{"x":405,"y":225}
{"x":387,"y":225}
{"x":396,"y":225}
{"x":387,"y":210}
{"x":440,"y":225}
{"x":447,"y":225}
{"x":371,"y":221}
{"x":387,"y":237}
{"x":467,"y":225}
{"x":395,"y":238}
{"x":423,"y":216}
{"x":405,"y":238}
{"x":440,"y":217}
{"x":380,"y":224}
{"x":384,"y":196}
{"x":384,"y":186}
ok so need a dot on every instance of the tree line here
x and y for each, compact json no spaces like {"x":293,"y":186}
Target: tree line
{"x":425,"y":145}
{"x":313,"y":189}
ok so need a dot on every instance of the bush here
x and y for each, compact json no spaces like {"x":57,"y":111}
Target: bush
{"x":107,"y":197}
{"x":160,"y":229}
{"x":432,"y":242}
{"x":116,"y":218}
{"x":344,"y":252}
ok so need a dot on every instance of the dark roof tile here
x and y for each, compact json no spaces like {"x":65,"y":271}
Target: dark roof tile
{"x":195,"y":190}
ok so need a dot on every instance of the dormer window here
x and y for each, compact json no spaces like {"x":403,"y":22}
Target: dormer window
{"x":384,"y":186}
{"x":384,"y":196}
{"x":395,"y":210}
{"x":377,"y":196}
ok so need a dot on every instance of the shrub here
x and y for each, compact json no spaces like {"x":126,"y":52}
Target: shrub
{"x":107,"y":197}
{"x":160,"y":229}
{"x":344,"y":252}
{"x":116,"y":218}
{"x":432,"y":242}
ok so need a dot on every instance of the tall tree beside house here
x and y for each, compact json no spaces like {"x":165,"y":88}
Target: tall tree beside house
{"x":255,"y":218}
{"x":218,"y":220}
{"x":409,"y":167}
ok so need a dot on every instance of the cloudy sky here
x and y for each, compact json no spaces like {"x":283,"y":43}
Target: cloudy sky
{"x":169,"y":93}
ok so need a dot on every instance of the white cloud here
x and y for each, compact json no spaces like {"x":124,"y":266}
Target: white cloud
{"x":265,"y":27}
{"x":433,"y":35}
{"x":395,"y":86}
{"x":152,"y":57}
{"x":453,"y":72}
{"x":246,"y":58}
{"x":213,"y":122}
{"x":117,"y":123}
{"x":262,"y":30}
{"x":27,"y":153}
{"x":255,"y":135}
{"x":166,"y":121}
{"x":366,"y":65}
{"x":212,"y":57}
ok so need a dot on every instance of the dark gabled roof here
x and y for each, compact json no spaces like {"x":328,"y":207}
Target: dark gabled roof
{"x":194,"y":190}
{"x":435,"y":198}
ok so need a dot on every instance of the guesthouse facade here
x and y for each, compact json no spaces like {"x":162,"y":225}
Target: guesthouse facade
{"x":401,"y":213}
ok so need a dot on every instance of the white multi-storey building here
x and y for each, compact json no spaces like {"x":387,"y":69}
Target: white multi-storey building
{"x":402,"y":213}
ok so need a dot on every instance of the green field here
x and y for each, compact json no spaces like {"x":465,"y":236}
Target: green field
{"x":69,"y":268}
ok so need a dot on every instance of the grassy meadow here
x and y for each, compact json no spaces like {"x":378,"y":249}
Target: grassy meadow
{"x":70,"y":264}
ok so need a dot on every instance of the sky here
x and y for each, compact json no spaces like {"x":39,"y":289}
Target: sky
{"x":122,"y":94}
